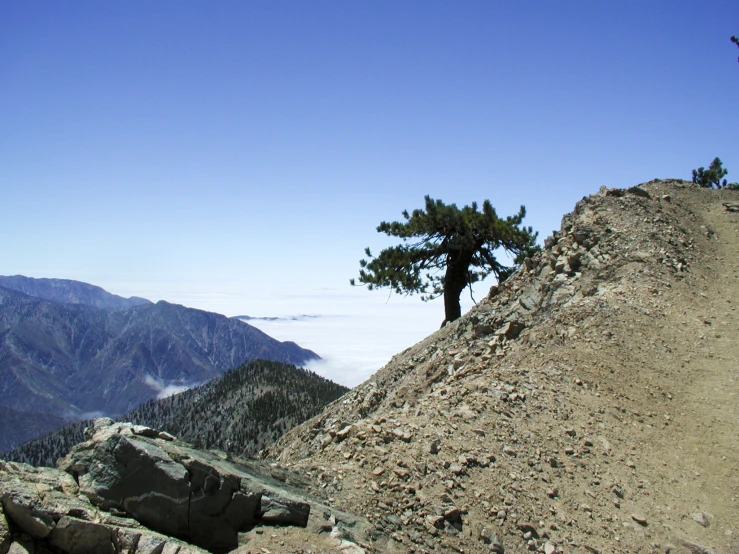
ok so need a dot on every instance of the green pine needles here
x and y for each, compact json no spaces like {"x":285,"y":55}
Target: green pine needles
{"x":446,"y":249}
{"x":711,"y":177}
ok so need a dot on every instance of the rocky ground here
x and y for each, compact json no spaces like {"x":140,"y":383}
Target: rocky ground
{"x":131,"y":489}
{"x":588,"y":405}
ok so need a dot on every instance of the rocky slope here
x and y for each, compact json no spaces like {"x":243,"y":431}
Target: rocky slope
{"x":66,"y":291}
{"x":589,"y":404}
{"x":72,"y":359}
{"x":241,"y":412}
{"x":134,"y":490}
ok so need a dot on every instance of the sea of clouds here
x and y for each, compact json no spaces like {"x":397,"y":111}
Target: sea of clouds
{"x":355,"y":331}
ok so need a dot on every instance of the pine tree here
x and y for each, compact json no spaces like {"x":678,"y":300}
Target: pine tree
{"x":708,"y":178}
{"x":446,"y":249}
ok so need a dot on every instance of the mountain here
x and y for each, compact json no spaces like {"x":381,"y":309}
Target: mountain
{"x":241,"y":412}
{"x":75,"y":360}
{"x":588,"y":404}
{"x":66,"y":291}
{"x":17,"y":427}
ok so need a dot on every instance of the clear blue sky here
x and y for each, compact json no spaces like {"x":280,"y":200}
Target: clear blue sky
{"x":246,"y":147}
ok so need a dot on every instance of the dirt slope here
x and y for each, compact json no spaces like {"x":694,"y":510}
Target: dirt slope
{"x":588,"y":405}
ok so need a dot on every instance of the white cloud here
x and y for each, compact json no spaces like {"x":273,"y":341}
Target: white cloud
{"x":164,"y":389}
{"x":355,"y":337}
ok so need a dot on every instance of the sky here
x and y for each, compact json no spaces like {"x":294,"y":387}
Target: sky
{"x":237,"y":156}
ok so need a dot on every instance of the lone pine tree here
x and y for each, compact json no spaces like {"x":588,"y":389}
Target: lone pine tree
{"x":446,"y":249}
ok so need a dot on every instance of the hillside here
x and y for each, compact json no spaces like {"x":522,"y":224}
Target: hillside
{"x":66,"y":291}
{"x":589,"y":404}
{"x":240,"y":412}
{"x":17,"y":427}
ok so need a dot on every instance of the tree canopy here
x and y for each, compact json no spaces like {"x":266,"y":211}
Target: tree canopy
{"x":711,"y":177}
{"x":445,"y":249}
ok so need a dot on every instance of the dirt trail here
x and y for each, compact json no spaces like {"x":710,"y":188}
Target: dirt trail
{"x":700,"y":451}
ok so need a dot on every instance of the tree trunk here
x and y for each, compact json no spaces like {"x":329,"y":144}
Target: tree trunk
{"x":455,"y":280}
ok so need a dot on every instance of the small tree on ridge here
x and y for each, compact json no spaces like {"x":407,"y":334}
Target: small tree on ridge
{"x":446,"y":249}
{"x":711,"y":177}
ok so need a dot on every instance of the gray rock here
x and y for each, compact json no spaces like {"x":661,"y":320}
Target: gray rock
{"x":280,"y":510}
{"x":174,"y":489}
{"x":692,"y":547}
{"x":203,"y":497}
{"x":135,"y":475}
{"x":511,"y":329}
{"x":43,"y":499}
{"x":22,"y":504}
{"x":530,"y":298}
{"x":82,"y":537}
{"x":18,"y":548}
{"x":701,"y":519}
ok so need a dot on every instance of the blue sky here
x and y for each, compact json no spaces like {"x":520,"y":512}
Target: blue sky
{"x":221,"y":153}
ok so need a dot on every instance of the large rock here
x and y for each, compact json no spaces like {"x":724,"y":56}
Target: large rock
{"x":42,"y":512}
{"x":203,"y":497}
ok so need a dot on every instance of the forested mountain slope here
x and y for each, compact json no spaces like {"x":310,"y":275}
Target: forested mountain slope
{"x":241,"y":412}
{"x":18,"y":427}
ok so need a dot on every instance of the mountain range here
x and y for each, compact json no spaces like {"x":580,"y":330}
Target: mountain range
{"x":66,"y":291}
{"x":62,"y":356}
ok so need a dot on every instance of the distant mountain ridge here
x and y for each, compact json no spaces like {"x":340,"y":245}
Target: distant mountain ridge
{"x":66,"y":291}
{"x":75,"y":360}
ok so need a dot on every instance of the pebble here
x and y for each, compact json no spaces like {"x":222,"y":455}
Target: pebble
{"x":701,"y":519}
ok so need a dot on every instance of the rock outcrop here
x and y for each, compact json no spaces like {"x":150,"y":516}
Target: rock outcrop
{"x":131,"y":489}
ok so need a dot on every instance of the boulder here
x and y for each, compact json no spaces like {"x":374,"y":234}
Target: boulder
{"x":128,"y":487}
{"x":204,"y":497}
{"x":42,"y":512}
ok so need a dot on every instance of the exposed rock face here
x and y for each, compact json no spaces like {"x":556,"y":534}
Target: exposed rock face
{"x":133,"y":489}
{"x":587,"y":405}
{"x":41,"y":509}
